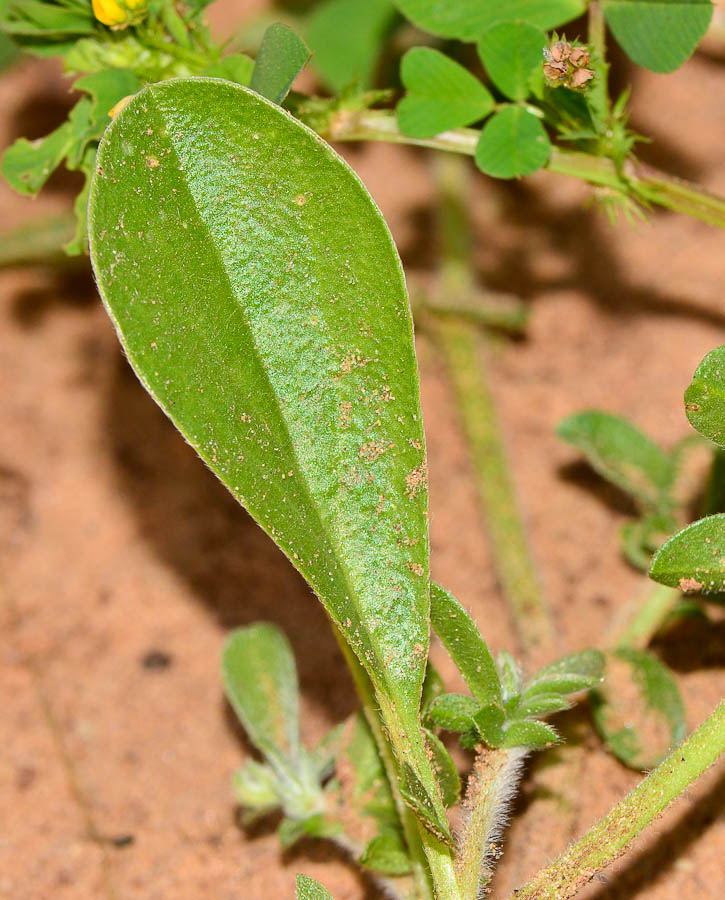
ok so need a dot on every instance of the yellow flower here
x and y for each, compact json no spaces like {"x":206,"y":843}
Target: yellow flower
{"x":119,"y":13}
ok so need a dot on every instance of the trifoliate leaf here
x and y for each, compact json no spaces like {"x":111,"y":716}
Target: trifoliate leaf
{"x":511,"y":52}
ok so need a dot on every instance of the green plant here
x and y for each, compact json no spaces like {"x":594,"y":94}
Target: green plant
{"x":277,"y":336}
{"x":276,"y":333}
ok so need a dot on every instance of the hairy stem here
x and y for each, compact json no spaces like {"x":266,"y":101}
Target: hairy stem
{"x":610,"y":837}
{"x":476,"y":406}
{"x":646,"y":183}
{"x":490,"y":788}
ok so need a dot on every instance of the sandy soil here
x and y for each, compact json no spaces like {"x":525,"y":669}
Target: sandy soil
{"x":124,"y":562}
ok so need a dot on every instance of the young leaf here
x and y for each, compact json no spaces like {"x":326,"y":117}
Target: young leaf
{"x":441,"y":94}
{"x":638,"y":709}
{"x":510,"y":676}
{"x":694,"y":558}
{"x":317,"y":825}
{"x":282,"y":56}
{"x":309,"y":889}
{"x":530,"y":734}
{"x":512,"y":143}
{"x":260,"y":680}
{"x":540,"y":705}
{"x":468,"y":19}
{"x":255,"y":790}
{"x":489,"y":721}
{"x":452,"y":712}
{"x":621,"y":453}
{"x":386,"y":853}
{"x":705,"y":397}
{"x":658,"y":34}
{"x":511,"y":52}
{"x":586,"y":665}
{"x":346,"y":38}
{"x":276,"y":334}
{"x":445,"y":769}
{"x":464,"y":643}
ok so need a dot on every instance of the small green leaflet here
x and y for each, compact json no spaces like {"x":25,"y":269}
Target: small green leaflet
{"x":309,"y":889}
{"x":705,"y":397}
{"x":441,"y":94}
{"x":260,"y":679}
{"x":658,"y":34}
{"x":347,"y":38}
{"x":639,"y":728}
{"x":694,"y":559}
{"x":621,"y":453}
{"x":277,"y":336}
{"x":282,"y":56}
{"x":464,"y":643}
{"x":468,"y":19}
{"x":511,"y":52}
{"x":513,"y":143}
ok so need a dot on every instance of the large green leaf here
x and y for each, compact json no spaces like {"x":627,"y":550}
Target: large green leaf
{"x":621,"y":453}
{"x":694,"y":558}
{"x":511,"y":53}
{"x":658,"y":34}
{"x":512,"y":143}
{"x":468,"y":19}
{"x":347,"y":38}
{"x":259,"y":296}
{"x":705,"y":397}
{"x":441,"y":94}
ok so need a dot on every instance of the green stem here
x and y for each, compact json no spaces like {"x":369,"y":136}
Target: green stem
{"x":407,"y":818}
{"x":643,"y":181}
{"x":477,"y":409}
{"x":597,"y":40}
{"x":197,"y":60}
{"x":494,"y":777}
{"x":610,"y":837}
{"x":648,"y":618}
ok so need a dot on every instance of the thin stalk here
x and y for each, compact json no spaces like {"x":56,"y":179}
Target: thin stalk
{"x":649,"y":617}
{"x":645,"y":182}
{"x":490,"y":788}
{"x":610,"y":837}
{"x":465,"y":360}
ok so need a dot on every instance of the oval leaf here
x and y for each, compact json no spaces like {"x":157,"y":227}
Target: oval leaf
{"x":464,"y":643}
{"x":259,"y":297}
{"x":441,"y":94}
{"x":511,"y":52}
{"x":468,"y":19}
{"x":282,"y":56}
{"x":621,"y":453}
{"x":260,"y":680}
{"x":694,"y":558}
{"x":705,"y":397}
{"x":638,"y":709}
{"x":513,"y":143}
{"x":658,"y":34}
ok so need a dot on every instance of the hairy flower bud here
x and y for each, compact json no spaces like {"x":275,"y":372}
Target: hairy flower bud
{"x":119,"y":13}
